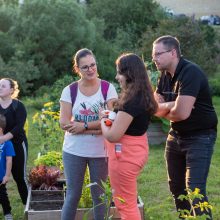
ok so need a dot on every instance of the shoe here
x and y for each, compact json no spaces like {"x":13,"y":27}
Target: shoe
{"x":8,"y":217}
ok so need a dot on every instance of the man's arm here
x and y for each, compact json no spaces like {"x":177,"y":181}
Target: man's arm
{"x":163,"y":107}
{"x":182,"y":108}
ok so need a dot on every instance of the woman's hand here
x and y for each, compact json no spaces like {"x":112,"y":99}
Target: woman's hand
{"x":5,"y":179}
{"x":103,"y":113}
{"x":75,"y":127}
{"x":4,"y":138}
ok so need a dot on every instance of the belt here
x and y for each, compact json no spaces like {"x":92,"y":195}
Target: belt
{"x":193,"y":133}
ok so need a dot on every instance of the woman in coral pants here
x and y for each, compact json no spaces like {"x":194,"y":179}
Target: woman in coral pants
{"x":126,"y":139}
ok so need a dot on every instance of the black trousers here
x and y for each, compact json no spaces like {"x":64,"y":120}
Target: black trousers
{"x":4,"y":201}
{"x":18,"y":171}
{"x":188,"y":160}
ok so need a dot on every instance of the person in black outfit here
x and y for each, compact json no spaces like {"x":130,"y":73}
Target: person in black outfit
{"x":15,"y":114}
{"x":183,"y":96}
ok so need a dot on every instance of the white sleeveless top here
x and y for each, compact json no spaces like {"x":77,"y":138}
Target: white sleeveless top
{"x":86,"y":109}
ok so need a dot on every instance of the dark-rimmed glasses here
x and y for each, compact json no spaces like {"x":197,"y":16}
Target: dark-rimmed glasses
{"x":86,"y":67}
{"x":158,"y":54}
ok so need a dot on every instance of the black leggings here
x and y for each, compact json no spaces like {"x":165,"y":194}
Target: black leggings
{"x":19,"y":163}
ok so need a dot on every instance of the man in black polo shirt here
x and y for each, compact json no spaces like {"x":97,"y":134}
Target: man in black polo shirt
{"x":184,"y":98}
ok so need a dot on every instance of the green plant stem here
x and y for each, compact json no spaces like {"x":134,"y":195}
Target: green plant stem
{"x":192,"y":208}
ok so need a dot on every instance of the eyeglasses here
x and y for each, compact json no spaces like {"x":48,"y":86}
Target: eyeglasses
{"x":157,"y":55}
{"x":86,"y":67}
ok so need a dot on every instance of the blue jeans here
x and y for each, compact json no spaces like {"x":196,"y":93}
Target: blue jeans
{"x":74,"y":169}
{"x":188,"y":160}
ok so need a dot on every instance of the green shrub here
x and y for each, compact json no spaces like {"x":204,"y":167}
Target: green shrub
{"x":36,"y":102}
{"x":59,"y":85}
{"x":51,"y":158}
{"x":165,"y":125}
{"x":214,"y":84}
{"x":192,"y":197}
{"x":47,"y":123}
{"x":153,"y":74}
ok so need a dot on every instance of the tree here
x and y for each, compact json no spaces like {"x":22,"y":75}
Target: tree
{"x":9,"y":2}
{"x":7,"y":15}
{"x":46,"y":33}
{"x":129,"y":16}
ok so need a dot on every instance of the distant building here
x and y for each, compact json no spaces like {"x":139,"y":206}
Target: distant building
{"x":188,"y":7}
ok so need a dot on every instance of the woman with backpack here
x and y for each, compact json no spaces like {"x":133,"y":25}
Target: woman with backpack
{"x":15,"y":113}
{"x":83,"y":145}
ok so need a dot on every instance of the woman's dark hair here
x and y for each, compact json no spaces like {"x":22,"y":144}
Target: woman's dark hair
{"x":2,"y":122}
{"x":137,"y":82}
{"x":14,"y":86}
{"x":79,"y":54}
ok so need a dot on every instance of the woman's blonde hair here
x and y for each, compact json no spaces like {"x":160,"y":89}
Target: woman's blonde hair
{"x":14,"y":86}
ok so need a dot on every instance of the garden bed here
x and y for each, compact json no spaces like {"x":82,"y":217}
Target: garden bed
{"x":47,"y":205}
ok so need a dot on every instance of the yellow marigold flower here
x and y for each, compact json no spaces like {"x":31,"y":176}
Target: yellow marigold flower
{"x":56,"y":117}
{"x":48,"y":104}
{"x":47,"y":112}
{"x":204,"y":205}
{"x":196,"y":191}
{"x":35,"y":116}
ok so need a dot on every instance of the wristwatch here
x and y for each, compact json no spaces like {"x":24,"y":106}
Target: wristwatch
{"x":86,"y":125}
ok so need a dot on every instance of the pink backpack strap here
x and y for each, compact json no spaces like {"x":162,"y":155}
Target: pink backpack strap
{"x":74,"y":88}
{"x":104,"y":88}
{"x":73,"y":91}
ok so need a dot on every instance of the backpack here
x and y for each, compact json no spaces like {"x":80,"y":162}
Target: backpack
{"x":74,"y":88}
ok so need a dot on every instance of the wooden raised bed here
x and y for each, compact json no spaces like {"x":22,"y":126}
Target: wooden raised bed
{"x":47,"y":205}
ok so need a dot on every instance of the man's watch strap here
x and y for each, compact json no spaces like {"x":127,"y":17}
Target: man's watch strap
{"x":86,"y":125}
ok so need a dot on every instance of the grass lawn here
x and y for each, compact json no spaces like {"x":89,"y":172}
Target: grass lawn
{"x":152,"y":183}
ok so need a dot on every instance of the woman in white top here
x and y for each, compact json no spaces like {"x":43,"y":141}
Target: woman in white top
{"x":83,"y":143}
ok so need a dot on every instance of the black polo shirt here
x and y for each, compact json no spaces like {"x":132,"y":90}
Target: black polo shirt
{"x":190,"y":80}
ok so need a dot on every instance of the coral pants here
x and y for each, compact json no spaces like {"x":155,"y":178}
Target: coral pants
{"x":123,"y":173}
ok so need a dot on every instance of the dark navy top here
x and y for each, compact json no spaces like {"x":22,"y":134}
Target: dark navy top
{"x":15,"y":120}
